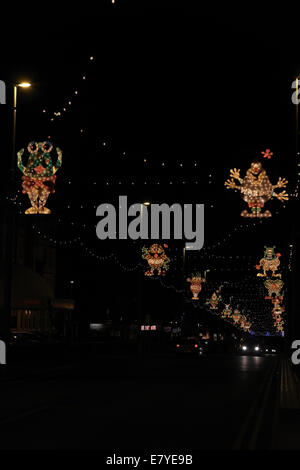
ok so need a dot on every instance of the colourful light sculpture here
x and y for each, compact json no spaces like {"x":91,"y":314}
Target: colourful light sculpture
{"x":213,"y":302}
{"x":278,"y":309}
{"x":236,"y":316}
{"x":269,"y":262}
{"x":274,"y":287}
{"x":196,"y":281}
{"x":227,"y":311}
{"x":256,"y":189}
{"x":243,"y":320}
{"x":39,"y":178}
{"x":157,"y":259}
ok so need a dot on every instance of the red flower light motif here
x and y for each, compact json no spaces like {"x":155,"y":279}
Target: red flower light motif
{"x":267,"y":154}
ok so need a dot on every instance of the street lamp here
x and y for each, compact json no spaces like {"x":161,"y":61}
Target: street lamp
{"x":10,"y":233}
{"x":21,"y":85}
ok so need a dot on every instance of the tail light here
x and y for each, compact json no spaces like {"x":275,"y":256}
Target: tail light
{"x":196,"y":345}
{"x":177,"y":345}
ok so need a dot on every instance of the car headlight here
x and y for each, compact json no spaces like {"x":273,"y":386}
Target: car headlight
{"x":244,"y":348}
{"x":256,"y":348}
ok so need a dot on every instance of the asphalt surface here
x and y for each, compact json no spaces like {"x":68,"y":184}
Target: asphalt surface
{"x":125,"y":402}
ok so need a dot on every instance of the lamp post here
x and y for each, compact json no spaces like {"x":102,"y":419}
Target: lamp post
{"x":9,"y":232}
{"x":16,"y":86}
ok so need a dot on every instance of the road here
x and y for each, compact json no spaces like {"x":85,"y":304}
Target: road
{"x":123,"y":402}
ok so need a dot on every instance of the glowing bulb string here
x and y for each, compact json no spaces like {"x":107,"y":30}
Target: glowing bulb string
{"x":61,"y":111}
{"x":112,"y":256}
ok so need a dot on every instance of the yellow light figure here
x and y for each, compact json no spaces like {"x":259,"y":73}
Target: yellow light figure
{"x":236,"y":316}
{"x":196,"y":281}
{"x":270,"y":262}
{"x":256,"y":189}
{"x":157,"y":259}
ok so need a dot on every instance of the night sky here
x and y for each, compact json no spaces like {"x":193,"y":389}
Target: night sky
{"x":171,"y":95}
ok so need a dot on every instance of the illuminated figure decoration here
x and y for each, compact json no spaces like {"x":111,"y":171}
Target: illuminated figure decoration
{"x":273,"y":286}
{"x":279,"y":327}
{"x":156,"y":258}
{"x":38,"y":179}
{"x":236,"y":316}
{"x":214,"y":301}
{"x":256,"y":189}
{"x":278,"y":322}
{"x":226,"y":313}
{"x":278,"y":309}
{"x":196,"y":281}
{"x":269,"y":262}
{"x":243,"y":320}
{"x":277,"y":302}
{"x":247,"y":325}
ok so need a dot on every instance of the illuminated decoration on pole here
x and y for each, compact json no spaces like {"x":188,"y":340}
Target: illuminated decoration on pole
{"x":156,"y":258}
{"x":236,"y":316}
{"x":279,"y":327}
{"x":196,"y":281}
{"x":269,"y":262}
{"x":256,"y":189}
{"x":278,"y":308}
{"x":38,"y":179}
{"x":214,"y":301}
{"x":243,"y":319}
{"x":273,"y":286}
{"x":226,"y":313}
{"x":247,"y":325}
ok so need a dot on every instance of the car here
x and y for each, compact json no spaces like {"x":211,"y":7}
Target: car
{"x":27,"y":339}
{"x":251,"y":348}
{"x":189,"y":346}
{"x":271,"y":350}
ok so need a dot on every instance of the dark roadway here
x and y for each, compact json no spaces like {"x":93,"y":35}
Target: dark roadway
{"x":122,"y":402}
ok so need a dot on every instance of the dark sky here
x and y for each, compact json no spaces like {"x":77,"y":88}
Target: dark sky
{"x":174,"y":85}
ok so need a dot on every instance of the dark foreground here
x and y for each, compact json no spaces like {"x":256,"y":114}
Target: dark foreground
{"x":158,"y":402}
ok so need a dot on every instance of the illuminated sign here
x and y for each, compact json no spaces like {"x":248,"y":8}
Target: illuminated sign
{"x":148,"y":327}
